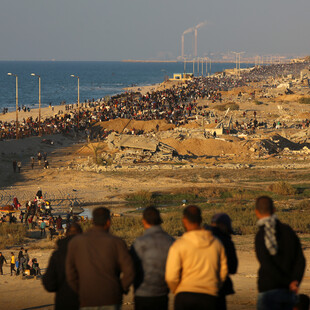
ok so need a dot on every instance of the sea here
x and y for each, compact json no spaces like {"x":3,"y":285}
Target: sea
{"x":97,"y":79}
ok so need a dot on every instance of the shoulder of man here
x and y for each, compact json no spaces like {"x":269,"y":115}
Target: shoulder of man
{"x":287,"y":230}
{"x":146,"y":239}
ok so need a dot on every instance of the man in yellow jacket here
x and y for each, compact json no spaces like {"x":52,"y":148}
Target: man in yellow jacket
{"x":196,"y":265}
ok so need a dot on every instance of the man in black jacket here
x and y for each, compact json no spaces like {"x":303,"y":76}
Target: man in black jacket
{"x":54,"y":280}
{"x":281,"y":259}
{"x":222,"y":229}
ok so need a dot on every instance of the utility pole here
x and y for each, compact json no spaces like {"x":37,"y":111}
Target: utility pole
{"x":210,"y":65}
{"x":198,"y":62}
{"x":16,"y":98}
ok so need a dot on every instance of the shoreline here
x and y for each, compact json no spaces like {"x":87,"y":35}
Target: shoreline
{"x":50,"y":111}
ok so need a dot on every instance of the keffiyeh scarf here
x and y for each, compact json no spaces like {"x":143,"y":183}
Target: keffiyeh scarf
{"x":269,"y":224}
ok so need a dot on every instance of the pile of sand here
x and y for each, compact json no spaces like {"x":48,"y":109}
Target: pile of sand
{"x":119,"y":125}
{"x":208,"y":147}
{"x":290,"y":98}
{"x":237,"y":90}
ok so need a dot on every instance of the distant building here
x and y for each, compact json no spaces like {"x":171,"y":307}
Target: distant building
{"x":182,"y":77}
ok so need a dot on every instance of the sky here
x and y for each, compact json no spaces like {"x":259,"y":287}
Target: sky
{"x":108,"y":30}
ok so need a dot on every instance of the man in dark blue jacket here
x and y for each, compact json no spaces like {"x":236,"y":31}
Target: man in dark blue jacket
{"x":281,"y":259}
{"x":54,"y":280}
{"x":149,"y":253}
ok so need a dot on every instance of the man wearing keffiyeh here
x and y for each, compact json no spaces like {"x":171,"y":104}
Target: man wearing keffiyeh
{"x":281,"y":259}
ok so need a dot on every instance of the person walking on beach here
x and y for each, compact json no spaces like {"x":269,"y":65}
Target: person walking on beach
{"x":42,"y":227}
{"x":149,"y":254}
{"x":2,"y":261}
{"x":27,"y":259}
{"x":95,"y":260}
{"x":54,"y":280}
{"x":19,"y":166}
{"x":281,"y":259}
{"x":20,"y":262}
{"x":196,"y":265}
{"x":32,"y":162}
{"x":13,"y":263}
{"x":39,"y":158}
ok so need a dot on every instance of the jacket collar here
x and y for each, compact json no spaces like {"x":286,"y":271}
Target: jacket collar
{"x":153,"y":229}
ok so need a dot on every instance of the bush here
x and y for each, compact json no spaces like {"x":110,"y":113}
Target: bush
{"x":223,"y":107}
{"x":282,"y":188}
{"x":304,"y":100}
{"x":140,"y":197}
{"x":258,"y":102}
{"x":232,"y":106}
{"x":127,"y":228}
{"x":12,"y":234}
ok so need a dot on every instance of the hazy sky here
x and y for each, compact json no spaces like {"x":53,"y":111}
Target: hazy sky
{"x":148,"y":29}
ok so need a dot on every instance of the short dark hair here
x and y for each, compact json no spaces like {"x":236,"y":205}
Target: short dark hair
{"x":101,"y":216}
{"x":74,"y":228}
{"x":193,"y":214}
{"x":152,"y":216}
{"x":264,"y":205}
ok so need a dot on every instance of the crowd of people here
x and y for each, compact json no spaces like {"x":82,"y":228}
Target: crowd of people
{"x":174,"y":105}
{"x":38,"y":215}
{"x":93,"y":270}
{"x":21,"y":265}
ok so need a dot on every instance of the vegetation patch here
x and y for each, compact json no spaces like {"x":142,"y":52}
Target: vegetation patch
{"x":282,"y":188}
{"x":12,"y":234}
{"x":257,"y":102}
{"x":231,"y":105}
{"x":304,"y":100}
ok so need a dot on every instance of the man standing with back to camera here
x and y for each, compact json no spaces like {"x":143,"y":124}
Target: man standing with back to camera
{"x":149,"y":254}
{"x":281,"y":259}
{"x":196,"y":265}
{"x":95,"y":260}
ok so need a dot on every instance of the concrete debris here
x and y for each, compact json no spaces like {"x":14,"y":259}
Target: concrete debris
{"x":276,"y":144}
{"x":144,"y":143}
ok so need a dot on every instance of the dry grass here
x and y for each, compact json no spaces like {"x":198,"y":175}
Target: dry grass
{"x":12,"y":234}
{"x":231,"y":105}
{"x":304,"y":100}
{"x":282,"y":188}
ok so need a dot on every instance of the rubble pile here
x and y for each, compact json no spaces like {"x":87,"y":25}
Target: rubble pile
{"x":137,"y":149}
{"x":276,"y":144}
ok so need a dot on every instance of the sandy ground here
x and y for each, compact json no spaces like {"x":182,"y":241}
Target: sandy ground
{"x":45,"y":112}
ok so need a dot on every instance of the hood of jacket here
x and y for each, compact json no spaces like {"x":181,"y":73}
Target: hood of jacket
{"x":199,"y":238}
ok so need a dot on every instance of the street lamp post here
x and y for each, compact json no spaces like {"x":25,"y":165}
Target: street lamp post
{"x":39,"y":77}
{"x":78,"y":119}
{"x":12,"y":74}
